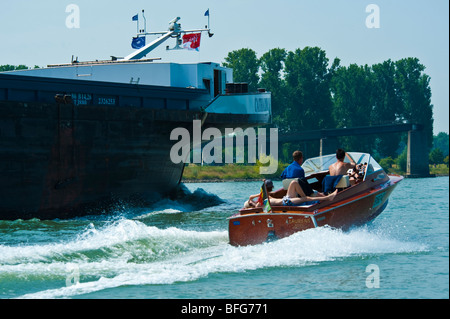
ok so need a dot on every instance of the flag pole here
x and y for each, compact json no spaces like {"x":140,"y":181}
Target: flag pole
{"x":145,"y":21}
{"x":207,"y":14}
{"x":137,"y":24}
{"x":265,"y":190}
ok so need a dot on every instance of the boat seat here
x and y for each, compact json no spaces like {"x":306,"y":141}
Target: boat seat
{"x":287,"y":182}
{"x":304,"y":184}
{"x":330,"y":183}
{"x":344,"y":182}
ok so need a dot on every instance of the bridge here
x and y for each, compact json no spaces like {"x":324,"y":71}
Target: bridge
{"x":417,"y":158}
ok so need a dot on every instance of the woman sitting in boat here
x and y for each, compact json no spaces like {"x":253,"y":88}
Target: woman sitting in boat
{"x":293,"y":198}
{"x":256,"y":200}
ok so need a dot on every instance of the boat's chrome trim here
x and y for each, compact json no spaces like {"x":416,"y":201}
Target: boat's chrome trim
{"x":314,"y":221}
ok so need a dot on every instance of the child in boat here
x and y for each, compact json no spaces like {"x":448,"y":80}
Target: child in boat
{"x":293,"y":198}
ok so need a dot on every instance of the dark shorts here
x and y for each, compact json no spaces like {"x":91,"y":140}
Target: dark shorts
{"x":307,"y":189}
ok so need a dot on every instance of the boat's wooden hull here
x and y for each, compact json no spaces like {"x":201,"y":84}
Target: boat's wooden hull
{"x":352,"y":207}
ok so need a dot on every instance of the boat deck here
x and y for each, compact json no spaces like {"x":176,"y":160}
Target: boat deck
{"x":342,"y":199}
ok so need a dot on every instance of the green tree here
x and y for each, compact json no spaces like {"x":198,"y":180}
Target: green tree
{"x":8,"y":67}
{"x":272,"y":66}
{"x":440,"y":141}
{"x":436,"y":156}
{"x":307,"y":94}
{"x":415,"y":93}
{"x":245,"y":67}
{"x":308,"y":89}
{"x":352,"y":90}
{"x":387,"y":163}
{"x":387,"y":106}
{"x":402,"y":159}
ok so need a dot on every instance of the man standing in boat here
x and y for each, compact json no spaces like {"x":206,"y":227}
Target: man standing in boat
{"x":340,"y":167}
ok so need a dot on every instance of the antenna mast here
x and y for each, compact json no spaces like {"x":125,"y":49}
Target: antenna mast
{"x":145,"y":22}
{"x":174,"y":31}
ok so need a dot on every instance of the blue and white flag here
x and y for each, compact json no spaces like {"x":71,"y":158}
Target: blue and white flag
{"x":207,"y":13}
{"x":135,"y":18}
{"x":138,"y":42}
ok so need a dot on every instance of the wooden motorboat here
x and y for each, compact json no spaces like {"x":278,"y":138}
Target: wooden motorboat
{"x":354,"y":205}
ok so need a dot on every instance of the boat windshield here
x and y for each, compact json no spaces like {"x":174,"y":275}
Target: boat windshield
{"x":321,"y":163}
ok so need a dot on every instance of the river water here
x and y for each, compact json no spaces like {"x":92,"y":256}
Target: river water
{"x":179,"y":249}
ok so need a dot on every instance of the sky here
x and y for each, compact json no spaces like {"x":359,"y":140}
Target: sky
{"x":37,"y":33}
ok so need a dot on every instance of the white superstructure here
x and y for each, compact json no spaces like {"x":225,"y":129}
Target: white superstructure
{"x":134,"y":69}
{"x":193,"y":75}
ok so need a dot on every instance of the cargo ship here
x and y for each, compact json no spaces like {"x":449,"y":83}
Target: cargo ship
{"x":77,"y":136}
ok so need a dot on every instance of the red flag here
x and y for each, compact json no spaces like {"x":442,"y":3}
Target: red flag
{"x":262,"y":194}
{"x":261,"y":197}
{"x":191,"y":41}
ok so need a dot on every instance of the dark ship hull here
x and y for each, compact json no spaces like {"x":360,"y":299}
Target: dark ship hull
{"x":68,"y":145}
